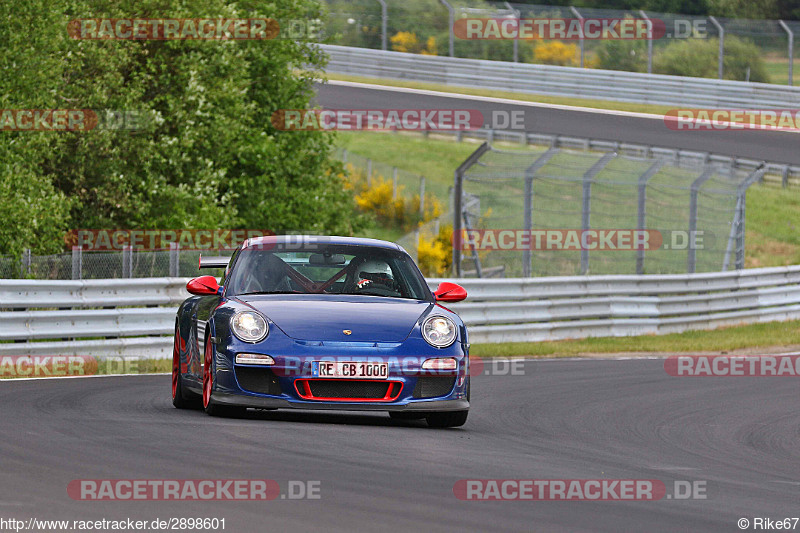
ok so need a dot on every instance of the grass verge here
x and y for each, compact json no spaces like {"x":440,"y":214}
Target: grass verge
{"x":87,"y":366}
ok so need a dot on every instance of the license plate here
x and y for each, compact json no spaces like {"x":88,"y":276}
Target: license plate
{"x":349,"y":370}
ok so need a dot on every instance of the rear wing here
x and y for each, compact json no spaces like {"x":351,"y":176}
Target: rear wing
{"x":214,"y":262}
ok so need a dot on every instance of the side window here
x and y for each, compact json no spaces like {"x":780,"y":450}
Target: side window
{"x":230,"y":265}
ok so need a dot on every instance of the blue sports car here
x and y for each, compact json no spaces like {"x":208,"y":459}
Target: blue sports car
{"x":303,"y":322}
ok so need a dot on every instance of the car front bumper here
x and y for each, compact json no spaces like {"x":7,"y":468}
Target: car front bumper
{"x":262,"y":402}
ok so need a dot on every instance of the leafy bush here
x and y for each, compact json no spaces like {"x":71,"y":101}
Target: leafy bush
{"x":556,"y":53}
{"x":376,"y":198}
{"x":628,"y":55}
{"x":699,"y":58}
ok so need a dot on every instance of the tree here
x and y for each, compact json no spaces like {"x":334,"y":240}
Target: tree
{"x":204,"y":153}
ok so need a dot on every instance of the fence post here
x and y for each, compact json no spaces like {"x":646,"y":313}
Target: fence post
{"x":733,"y":235}
{"x":384,"y":19}
{"x":721,"y":56}
{"x":588,"y":177}
{"x":450,"y":22}
{"x":580,"y":34}
{"x":755,"y":176}
{"x":528,"y":225}
{"x":394,"y":183}
{"x":458,"y":203}
{"x":422,"y":196}
{"x":790,"y":33}
{"x":344,"y":155}
{"x":127,"y":261}
{"x":174,"y":259}
{"x":530,"y":172}
{"x":515,"y":41}
{"x":691,"y":261}
{"x":642,"y":210}
{"x":785,"y":177}
{"x":649,"y":41}
{"x":26,"y":262}
{"x":77,"y":262}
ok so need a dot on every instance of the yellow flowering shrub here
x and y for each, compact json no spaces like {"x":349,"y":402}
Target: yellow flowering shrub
{"x":556,"y":53}
{"x":435,"y":253}
{"x":406,"y":41}
{"x":431,"y":256}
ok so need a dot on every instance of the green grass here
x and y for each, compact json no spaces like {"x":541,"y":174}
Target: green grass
{"x":434,"y":159}
{"x":773,"y":227}
{"x":778,"y":71}
{"x":773,"y":214}
{"x":766,"y":337}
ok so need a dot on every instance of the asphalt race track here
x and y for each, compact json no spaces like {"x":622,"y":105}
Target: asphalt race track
{"x":772,"y":146}
{"x":560,"y":419}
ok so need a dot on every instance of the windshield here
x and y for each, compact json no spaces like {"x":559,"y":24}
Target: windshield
{"x":327,"y":269}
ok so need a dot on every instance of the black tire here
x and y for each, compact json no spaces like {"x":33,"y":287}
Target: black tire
{"x":181,"y":398}
{"x":446,"y":419}
{"x":185,"y":399}
{"x":225,"y":411}
{"x":400,"y":415}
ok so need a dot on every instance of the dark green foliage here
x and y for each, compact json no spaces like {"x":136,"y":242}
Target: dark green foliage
{"x":207,"y":155}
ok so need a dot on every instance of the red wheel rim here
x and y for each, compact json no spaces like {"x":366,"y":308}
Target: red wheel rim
{"x":176,"y":362}
{"x":207,"y":379}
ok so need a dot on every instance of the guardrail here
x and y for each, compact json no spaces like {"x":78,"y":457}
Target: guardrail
{"x":556,"y":308}
{"x":614,"y":85}
{"x":135,"y":317}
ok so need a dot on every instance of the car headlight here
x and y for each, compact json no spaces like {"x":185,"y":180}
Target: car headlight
{"x":439,"y":331}
{"x":249,"y":326}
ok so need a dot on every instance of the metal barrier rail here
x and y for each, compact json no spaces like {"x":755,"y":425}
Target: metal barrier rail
{"x":497,"y":310}
{"x":614,"y":85}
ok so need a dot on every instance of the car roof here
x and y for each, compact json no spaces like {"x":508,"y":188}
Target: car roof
{"x":267,"y":240}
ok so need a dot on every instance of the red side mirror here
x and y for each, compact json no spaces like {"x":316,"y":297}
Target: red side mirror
{"x":449,"y":292}
{"x":203,"y":286}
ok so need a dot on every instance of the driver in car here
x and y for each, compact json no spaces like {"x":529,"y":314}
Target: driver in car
{"x":374,"y":274}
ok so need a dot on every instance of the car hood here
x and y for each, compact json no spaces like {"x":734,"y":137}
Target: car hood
{"x":325,"y":317}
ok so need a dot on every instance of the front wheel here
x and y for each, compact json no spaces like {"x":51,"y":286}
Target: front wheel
{"x":446,"y":419}
{"x":208,"y":384}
